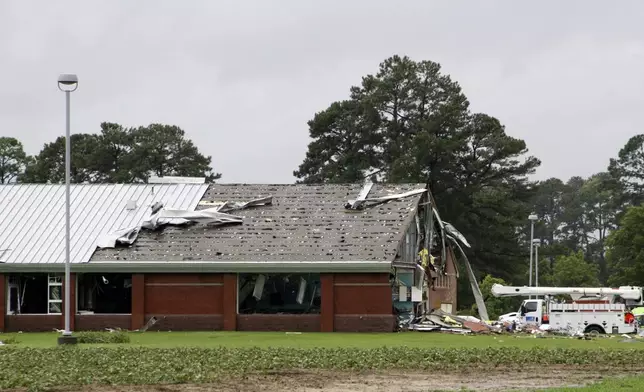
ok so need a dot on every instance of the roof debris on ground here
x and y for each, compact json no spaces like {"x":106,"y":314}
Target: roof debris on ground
{"x":440,"y":321}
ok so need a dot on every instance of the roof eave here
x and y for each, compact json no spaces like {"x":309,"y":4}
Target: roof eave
{"x":204,"y":267}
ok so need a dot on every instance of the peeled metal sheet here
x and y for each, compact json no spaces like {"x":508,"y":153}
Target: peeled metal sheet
{"x":121,"y":236}
{"x":359,"y":204}
{"x":443,"y":248}
{"x":208,"y":216}
{"x":228,"y":206}
{"x":451,"y":230}
{"x":160,"y":217}
{"x":476,"y":290}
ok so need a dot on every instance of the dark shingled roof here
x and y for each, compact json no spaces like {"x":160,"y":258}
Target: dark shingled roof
{"x":305,"y":223}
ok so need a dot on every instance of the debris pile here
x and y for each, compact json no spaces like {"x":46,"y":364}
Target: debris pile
{"x":440,"y":321}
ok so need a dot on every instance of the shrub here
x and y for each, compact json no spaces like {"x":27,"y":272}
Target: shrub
{"x":8,"y":340}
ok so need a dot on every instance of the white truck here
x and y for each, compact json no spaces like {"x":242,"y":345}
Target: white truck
{"x":593,"y":310}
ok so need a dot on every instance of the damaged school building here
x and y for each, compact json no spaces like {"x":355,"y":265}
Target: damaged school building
{"x":196,"y":256}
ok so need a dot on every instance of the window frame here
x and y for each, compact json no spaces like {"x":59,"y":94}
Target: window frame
{"x":54,"y":280}
{"x":12,"y":285}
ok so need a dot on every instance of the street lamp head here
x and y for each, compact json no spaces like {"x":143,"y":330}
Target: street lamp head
{"x":67,"y":82}
{"x":536,"y":242}
{"x":533,"y":217}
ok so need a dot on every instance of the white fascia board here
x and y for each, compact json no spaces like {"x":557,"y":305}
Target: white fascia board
{"x":205,"y":266}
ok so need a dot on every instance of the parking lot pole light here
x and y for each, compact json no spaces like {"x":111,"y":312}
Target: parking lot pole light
{"x":67,"y":83}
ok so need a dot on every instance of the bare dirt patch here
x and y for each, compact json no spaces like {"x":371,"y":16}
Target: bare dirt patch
{"x":390,"y":381}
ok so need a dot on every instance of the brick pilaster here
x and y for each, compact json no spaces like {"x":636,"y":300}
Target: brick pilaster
{"x":327,"y":311}
{"x":230,"y":302}
{"x":138,"y":301}
{"x":3,"y":300}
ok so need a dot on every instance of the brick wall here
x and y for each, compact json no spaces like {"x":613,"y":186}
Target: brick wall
{"x":327,"y":311}
{"x":137,"y":320}
{"x":230,"y":302}
{"x":362,"y":303}
{"x":350,"y":302}
{"x":279,"y":322}
{"x":99,"y":322}
{"x":3,"y":301}
{"x":364,"y":323}
{"x":182,"y":302}
{"x":187,"y":322}
{"x":32,"y":322}
{"x":445,"y":287}
{"x":183,"y":294}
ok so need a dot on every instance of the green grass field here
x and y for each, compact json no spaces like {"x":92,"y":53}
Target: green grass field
{"x":331,"y":340}
{"x":621,"y":384}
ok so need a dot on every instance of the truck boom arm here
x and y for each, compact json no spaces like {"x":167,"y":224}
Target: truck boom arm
{"x":626,"y":292}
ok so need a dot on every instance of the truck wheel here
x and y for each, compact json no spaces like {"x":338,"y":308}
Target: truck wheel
{"x":594,"y":330}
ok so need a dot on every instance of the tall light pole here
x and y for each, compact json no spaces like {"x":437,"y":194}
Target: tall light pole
{"x":67,"y":83}
{"x":536,"y":243}
{"x":532,"y":218}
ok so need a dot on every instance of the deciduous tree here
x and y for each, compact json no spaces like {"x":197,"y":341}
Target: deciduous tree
{"x":121,"y":155}
{"x":13,"y":159}
{"x":574,"y":271}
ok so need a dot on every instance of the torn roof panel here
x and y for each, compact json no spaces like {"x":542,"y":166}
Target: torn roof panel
{"x":32,"y":216}
{"x":303,"y":223}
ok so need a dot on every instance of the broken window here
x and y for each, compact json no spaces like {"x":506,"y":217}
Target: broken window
{"x":104,"y":293}
{"x":279,"y":293}
{"x":34,"y":294}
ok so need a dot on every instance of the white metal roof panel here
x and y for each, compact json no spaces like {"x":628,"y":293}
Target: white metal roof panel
{"x":32,"y":216}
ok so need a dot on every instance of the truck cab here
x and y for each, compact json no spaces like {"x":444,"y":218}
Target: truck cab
{"x":533,"y":312}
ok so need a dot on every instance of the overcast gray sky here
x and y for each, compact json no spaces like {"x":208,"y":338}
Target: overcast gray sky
{"x":243,"y":77}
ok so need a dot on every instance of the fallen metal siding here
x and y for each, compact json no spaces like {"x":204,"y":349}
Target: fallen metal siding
{"x":32,"y":216}
{"x":305,"y":223}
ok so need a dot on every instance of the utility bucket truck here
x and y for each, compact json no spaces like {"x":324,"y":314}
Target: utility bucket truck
{"x":594,"y":309}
